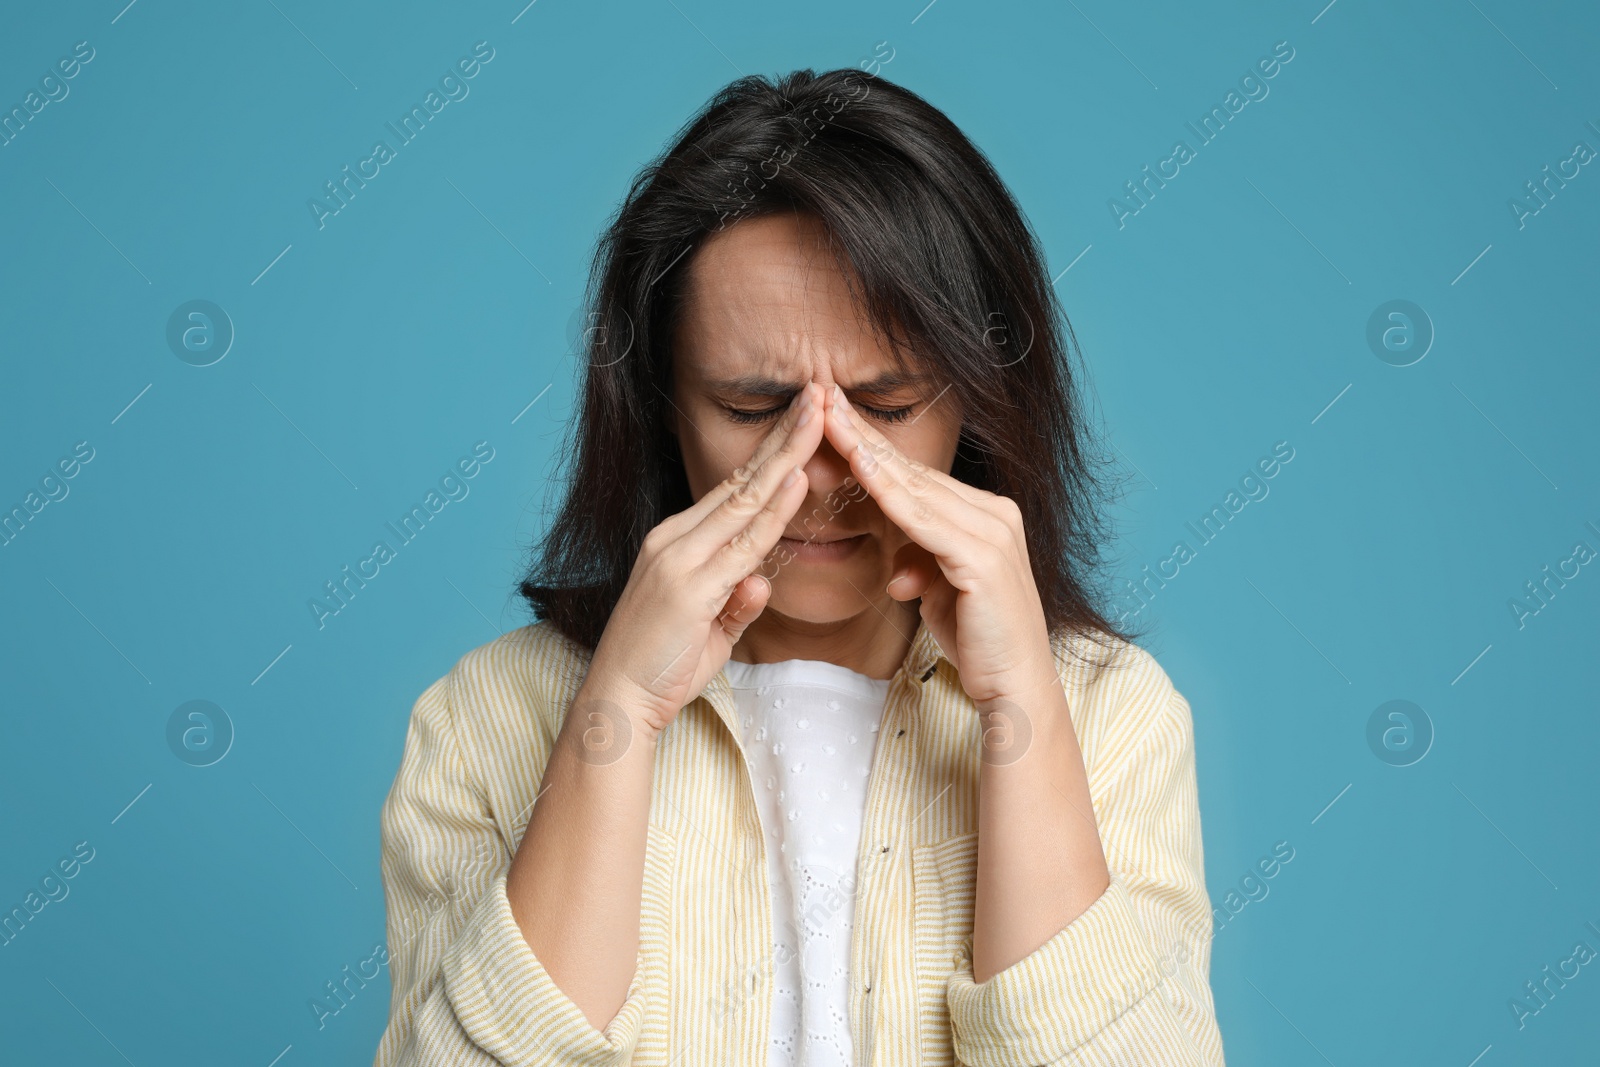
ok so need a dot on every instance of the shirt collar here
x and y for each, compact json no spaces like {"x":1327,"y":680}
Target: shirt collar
{"x":918,"y":668}
{"x":924,"y":654}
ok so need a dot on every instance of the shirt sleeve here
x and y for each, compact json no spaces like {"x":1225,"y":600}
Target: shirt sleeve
{"x":1126,"y":982}
{"x":467,"y":990}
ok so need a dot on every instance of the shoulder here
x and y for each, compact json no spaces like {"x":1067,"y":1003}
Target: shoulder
{"x":1127,"y":706}
{"x":514,"y":689}
{"x":477,"y":743}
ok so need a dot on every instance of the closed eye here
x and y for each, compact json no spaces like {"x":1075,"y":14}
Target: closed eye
{"x":883,"y":415}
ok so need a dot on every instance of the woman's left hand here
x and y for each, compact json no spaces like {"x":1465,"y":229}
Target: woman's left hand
{"x":968,"y":561}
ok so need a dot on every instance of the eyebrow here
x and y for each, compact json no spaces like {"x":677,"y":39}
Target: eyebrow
{"x":761,"y":385}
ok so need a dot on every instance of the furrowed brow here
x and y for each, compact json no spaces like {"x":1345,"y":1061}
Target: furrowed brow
{"x":888,"y":382}
{"x":761,"y":385}
{"x":754,"y":385}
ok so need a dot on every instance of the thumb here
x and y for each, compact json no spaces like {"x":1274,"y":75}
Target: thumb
{"x":745,"y":604}
{"x":915,"y":571}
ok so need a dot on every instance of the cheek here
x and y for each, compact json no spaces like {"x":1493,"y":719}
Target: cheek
{"x":710,"y":455}
{"x":704,"y":467}
{"x":932,"y":444}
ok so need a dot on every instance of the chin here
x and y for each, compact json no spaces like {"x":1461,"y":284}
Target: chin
{"x":828,"y":595}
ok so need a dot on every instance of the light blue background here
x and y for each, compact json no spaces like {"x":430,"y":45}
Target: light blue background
{"x":1227,"y":315}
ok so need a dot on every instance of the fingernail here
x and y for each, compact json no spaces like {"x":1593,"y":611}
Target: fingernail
{"x":805,"y":409}
{"x":789,"y":479}
{"x":869,"y":462}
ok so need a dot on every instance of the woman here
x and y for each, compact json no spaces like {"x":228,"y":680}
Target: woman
{"x":820,"y":750}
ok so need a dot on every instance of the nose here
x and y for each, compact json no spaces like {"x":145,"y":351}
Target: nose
{"x":826,"y":471}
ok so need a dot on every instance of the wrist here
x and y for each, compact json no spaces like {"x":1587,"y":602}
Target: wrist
{"x":1027,"y":718}
{"x":603,"y":726}
{"x":617,"y":686}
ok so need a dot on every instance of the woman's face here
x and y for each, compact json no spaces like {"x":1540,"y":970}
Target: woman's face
{"x":766,"y":311}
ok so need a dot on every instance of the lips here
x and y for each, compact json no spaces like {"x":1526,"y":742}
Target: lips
{"x":823,"y":540}
{"x":817,"y":551}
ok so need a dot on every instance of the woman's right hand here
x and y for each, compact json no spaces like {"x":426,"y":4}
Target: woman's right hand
{"x":693,"y":588}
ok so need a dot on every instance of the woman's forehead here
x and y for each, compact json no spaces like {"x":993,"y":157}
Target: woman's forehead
{"x":767,"y":302}
{"x":780,"y":362}
{"x":764,"y":284}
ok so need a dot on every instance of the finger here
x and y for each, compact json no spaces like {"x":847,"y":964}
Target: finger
{"x":798,"y":415}
{"x":938,"y":600}
{"x":730,"y":507}
{"x":842,"y":416}
{"x":915,"y":497}
{"x":971,"y":493}
{"x":915,"y":570}
{"x":682,"y":522}
{"x":747,"y":602}
{"x":749,"y":548}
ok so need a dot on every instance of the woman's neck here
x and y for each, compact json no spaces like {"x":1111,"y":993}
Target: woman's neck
{"x":873,"y":643}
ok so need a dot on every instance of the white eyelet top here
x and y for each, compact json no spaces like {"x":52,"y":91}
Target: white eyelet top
{"x":810,"y":728}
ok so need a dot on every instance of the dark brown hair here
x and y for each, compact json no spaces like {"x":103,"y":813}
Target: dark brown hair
{"x":946,"y":267}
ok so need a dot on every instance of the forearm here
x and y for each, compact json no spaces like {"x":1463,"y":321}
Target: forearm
{"x":576,"y":882}
{"x":1040,"y":862}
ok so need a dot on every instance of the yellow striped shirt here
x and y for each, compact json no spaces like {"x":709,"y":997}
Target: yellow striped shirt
{"x":1126,"y":982}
